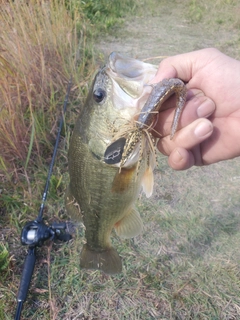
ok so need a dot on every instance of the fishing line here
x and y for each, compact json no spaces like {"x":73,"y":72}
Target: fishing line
{"x":34,"y":233}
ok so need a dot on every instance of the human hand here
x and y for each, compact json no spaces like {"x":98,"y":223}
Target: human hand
{"x":213,"y":84}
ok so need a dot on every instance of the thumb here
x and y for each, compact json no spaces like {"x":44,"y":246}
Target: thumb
{"x":179,"y":66}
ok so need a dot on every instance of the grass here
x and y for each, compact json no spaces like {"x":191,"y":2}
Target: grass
{"x":222,"y":16}
{"x":185,"y":265}
{"x":107,"y":14}
{"x":221,"y":12}
{"x":34,"y":70}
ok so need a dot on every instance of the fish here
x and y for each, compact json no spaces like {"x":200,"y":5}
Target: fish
{"x":112,"y":156}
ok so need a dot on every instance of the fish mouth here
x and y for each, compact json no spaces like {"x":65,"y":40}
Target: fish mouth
{"x":130,"y":78}
{"x":128,"y":68}
{"x":131,"y":89}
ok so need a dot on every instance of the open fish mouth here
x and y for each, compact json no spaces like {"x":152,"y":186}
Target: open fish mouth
{"x":130,"y":79}
{"x":131,"y":90}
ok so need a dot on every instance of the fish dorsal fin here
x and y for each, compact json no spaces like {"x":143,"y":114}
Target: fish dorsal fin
{"x":148,"y":182}
{"x":130,"y":226}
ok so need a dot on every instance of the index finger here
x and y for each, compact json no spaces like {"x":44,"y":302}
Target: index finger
{"x":197,"y":106}
{"x":179,"y":66}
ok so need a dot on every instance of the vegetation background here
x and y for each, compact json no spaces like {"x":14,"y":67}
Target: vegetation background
{"x":186,"y":264}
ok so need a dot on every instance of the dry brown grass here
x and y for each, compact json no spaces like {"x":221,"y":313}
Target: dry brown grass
{"x":38,"y":49}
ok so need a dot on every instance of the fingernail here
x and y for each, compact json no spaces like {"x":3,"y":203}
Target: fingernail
{"x":206,"y":109}
{"x":203,"y":129}
{"x":176,"y":157}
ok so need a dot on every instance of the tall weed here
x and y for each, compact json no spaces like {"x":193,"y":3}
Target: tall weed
{"x":39,"y":42}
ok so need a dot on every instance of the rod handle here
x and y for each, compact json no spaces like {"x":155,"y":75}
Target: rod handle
{"x":27,"y":274}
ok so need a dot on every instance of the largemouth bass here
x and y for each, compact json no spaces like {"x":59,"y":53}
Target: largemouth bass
{"x":112,"y":156}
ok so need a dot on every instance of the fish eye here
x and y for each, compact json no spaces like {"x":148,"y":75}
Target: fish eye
{"x":99,"y":94}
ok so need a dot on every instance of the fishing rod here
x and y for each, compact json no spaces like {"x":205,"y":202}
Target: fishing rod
{"x":34,"y":233}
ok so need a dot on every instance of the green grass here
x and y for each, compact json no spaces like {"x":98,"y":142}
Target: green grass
{"x":107,"y":14}
{"x":185,"y":265}
{"x":223,"y":13}
{"x":4,"y":257}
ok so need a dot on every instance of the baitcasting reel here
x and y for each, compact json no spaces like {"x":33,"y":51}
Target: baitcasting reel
{"x":34,"y":233}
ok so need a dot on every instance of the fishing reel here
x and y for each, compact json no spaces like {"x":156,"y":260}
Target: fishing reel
{"x":34,"y":233}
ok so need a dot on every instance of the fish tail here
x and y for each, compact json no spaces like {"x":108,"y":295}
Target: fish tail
{"x":108,"y":260}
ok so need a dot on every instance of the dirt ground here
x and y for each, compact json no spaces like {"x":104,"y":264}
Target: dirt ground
{"x":164,"y":29}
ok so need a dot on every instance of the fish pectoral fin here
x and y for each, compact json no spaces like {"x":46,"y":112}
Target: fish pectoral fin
{"x":130,"y":226}
{"x":72,"y":206}
{"x":148,"y":182}
{"x":107,"y":261}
